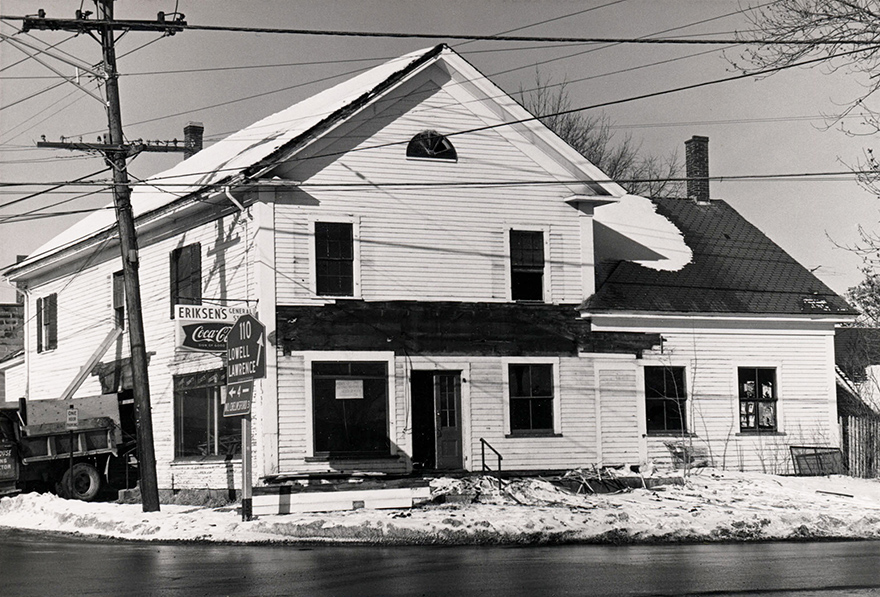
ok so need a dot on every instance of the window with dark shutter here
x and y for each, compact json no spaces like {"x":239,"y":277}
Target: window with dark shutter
{"x":119,"y":300}
{"x":526,"y":265}
{"x":186,"y":276}
{"x":47,"y":323}
{"x":334,"y":259}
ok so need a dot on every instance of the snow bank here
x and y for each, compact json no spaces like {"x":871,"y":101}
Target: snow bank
{"x":712,"y":506}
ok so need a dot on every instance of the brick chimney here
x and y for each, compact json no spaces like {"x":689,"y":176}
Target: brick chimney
{"x":697,"y":166}
{"x":192,"y":138}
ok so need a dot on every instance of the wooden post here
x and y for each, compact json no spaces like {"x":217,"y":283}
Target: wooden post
{"x":247,"y":509}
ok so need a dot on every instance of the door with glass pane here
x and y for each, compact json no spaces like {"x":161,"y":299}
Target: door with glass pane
{"x":447,"y":406}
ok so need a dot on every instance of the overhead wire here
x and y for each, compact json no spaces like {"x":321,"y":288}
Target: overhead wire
{"x":157,"y":180}
{"x":476,"y":37}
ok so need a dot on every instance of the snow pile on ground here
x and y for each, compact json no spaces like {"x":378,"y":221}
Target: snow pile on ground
{"x":712,"y":505}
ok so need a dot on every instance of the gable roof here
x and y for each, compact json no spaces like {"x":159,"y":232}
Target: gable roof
{"x":252,"y":151}
{"x":735,"y":268}
{"x":230,"y":157}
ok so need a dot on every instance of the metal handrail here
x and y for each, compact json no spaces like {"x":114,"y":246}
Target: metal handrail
{"x":483,"y":445}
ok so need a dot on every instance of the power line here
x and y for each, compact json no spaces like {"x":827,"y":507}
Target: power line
{"x":53,"y":186}
{"x":156,"y":182}
{"x":160,"y":26}
{"x":584,"y":108}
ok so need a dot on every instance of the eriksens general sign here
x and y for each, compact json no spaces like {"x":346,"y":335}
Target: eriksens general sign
{"x":202,"y":328}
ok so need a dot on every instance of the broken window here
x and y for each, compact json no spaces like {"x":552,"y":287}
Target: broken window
{"x":431,"y":144}
{"x":200,"y":429}
{"x":526,"y":265}
{"x":531,"y":398}
{"x":186,"y":276}
{"x":350,"y":406}
{"x":757,"y":399}
{"x":334,"y":258}
{"x":665,"y":397}
{"x":47,"y":323}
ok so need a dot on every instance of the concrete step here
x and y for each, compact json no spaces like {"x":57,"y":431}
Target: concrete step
{"x":281,"y":500}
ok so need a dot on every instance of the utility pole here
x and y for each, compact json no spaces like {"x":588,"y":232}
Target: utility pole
{"x":116,"y":156}
{"x":129,"y":248}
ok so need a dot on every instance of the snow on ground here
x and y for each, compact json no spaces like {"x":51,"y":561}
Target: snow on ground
{"x":712,"y":505}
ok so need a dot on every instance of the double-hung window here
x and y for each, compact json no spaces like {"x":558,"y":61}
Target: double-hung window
{"x":757,"y":398}
{"x":200,"y":429}
{"x":47,"y":323}
{"x":186,"y":276}
{"x":530,"y":389}
{"x":527,"y":265}
{"x":334,"y":259}
{"x":665,"y":398}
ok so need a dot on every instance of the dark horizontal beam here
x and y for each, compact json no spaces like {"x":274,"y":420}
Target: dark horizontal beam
{"x":130,"y":149}
{"x":82,"y":25}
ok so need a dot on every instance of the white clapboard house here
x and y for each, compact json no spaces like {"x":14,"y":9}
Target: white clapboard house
{"x":440,"y":276}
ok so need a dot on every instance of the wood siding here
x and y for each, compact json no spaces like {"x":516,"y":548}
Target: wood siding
{"x":806,"y":413}
{"x":85,"y":316}
{"x":428,"y":243}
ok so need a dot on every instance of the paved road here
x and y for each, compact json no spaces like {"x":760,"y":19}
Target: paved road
{"x":46,"y":565}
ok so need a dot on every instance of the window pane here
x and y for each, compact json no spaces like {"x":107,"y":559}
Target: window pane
{"x":527,"y":248}
{"x":527,"y":265}
{"x":200,"y":429}
{"x":757,"y":394}
{"x":334,"y":258}
{"x":355,"y":420}
{"x":193,"y":422}
{"x":531,"y":397}
{"x":527,"y":286}
{"x":542,"y":413}
{"x":186,"y":275}
{"x":665,"y":399}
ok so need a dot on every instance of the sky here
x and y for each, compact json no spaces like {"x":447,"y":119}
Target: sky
{"x":773,"y":125}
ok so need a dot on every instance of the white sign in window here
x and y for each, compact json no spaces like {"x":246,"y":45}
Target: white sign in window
{"x":349,"y":389}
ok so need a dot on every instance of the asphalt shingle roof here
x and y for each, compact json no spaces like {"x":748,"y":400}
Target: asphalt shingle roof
{"x":735,"y":269}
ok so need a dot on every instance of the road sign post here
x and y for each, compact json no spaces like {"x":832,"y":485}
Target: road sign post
{"x":245,"y":362}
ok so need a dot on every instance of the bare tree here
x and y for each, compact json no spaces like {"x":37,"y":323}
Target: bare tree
{"x":593,"y":137}
{"x":841,"y":36}
{"x":844,"y":34}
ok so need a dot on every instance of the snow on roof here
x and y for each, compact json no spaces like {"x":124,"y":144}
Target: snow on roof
{"x":637,"y":218}
{"x":235,"y":153}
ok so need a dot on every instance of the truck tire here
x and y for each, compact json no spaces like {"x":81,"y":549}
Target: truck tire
{"x":81,"y":482}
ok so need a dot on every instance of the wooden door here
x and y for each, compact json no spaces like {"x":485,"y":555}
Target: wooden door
{"x":447,"y":406}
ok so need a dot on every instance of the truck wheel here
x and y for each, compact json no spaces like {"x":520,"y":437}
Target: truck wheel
{"x":82,"y":482}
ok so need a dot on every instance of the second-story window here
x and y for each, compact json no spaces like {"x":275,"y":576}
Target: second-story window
{"x":47,"y":323}
{"x":526,"y":265}
{"x":119,"y":300}
{"x":334,"y":259}
{"x":186,"y":276}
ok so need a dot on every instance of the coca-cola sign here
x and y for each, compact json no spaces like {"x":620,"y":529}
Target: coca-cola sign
{"x":204,"y":336}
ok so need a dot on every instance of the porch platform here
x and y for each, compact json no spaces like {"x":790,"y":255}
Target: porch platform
{"x":341,"y":494}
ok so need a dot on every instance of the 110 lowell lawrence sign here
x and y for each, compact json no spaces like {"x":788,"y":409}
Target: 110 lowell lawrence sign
{"x":204,"y":328}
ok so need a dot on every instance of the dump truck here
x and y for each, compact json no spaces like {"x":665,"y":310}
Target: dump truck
{"x":76,"y":448}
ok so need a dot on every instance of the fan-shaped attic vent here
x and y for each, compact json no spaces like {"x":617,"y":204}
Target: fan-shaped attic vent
{"x":432,"y":145}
